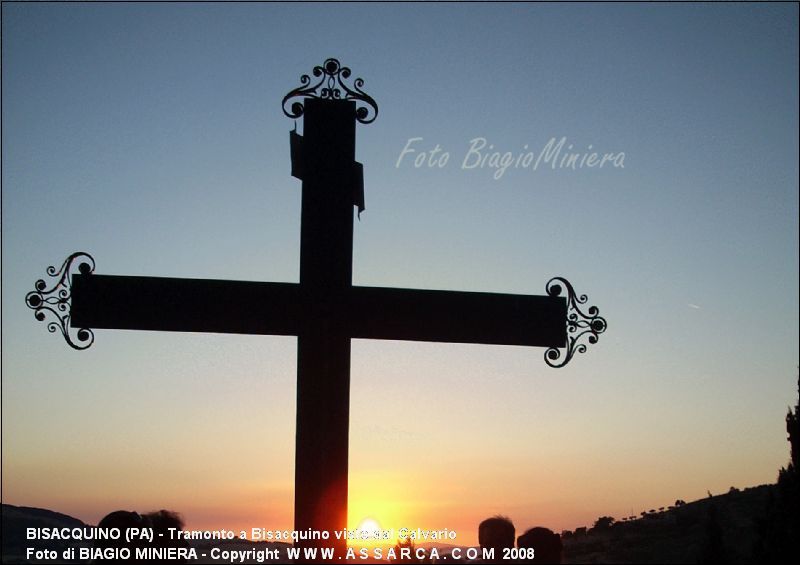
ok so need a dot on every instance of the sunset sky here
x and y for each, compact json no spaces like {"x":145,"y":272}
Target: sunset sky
{"x":152,"y":137}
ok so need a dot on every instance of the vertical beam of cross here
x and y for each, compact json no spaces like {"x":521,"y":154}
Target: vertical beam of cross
{"x":323,"y":348}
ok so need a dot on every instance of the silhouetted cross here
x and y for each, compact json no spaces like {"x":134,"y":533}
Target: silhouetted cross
{"x":325,"y":311}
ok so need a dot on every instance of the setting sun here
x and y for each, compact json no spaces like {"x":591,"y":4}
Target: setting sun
{"x":369,"y":526}
{"x":369,"y":533}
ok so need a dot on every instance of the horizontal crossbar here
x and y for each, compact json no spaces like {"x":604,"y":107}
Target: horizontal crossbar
{"x":240,"y":307}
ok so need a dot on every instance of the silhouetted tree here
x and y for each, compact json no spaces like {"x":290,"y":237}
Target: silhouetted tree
{"x":778,"y":535}
{"x":408,"y":544}
{"x":793,"y":429}
{"x":603,"y":523}
{"x":789,"y":482}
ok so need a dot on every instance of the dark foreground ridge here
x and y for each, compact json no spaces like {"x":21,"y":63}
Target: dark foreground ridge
{"x":727,"y":528}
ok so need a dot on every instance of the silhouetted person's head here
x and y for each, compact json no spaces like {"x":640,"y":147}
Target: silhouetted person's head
{"x":162,"y":521}
{"x":124,"y":520}
{"x":546,"y":543}
{"x":496,"y":533}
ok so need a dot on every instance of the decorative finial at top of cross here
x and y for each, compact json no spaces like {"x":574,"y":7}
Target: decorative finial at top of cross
{"x":330,"y":86}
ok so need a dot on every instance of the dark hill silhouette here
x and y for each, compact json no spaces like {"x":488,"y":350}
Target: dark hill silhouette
{"x":16,"y":518}
{"x":682,"y":534}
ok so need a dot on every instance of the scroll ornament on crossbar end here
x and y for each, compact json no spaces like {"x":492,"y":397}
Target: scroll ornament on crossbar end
{"x":330,"y":86}
{"x":57,"y":299}
{"x":580,"y":323}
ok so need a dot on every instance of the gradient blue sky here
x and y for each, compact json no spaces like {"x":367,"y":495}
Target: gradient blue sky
{"x":151,"y":136}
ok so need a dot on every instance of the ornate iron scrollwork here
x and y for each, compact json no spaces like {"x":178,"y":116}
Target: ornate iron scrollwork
{"x":579,"y":323}
{"x":331,"y":87}
{"x":56,"y":300}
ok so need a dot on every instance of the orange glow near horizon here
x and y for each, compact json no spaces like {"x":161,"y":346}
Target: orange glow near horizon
{"x":374,"y":502}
